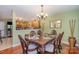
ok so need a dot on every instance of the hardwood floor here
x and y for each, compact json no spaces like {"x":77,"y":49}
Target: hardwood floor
{"x":18,"y":50}
{"x":65,"y":50}
{"x":7,"y":51}
{"x":6,"y":48}
{"x":15,"y":50}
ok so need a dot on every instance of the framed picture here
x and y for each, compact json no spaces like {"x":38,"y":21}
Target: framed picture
{"x":21,"y":25}
{"x":56,"y":24}
{"x":52,"y":24}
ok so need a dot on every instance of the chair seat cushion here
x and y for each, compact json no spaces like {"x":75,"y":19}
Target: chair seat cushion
{"x":32,"y":46}
{"x":49,"y":47}
{"x":32,"y":52}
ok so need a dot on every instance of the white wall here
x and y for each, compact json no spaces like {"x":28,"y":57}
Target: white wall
{"x":2,"y":28}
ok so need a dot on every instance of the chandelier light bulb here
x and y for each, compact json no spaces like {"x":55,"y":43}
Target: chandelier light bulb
{"x":42,"y":14}
{"x":46,"y":14}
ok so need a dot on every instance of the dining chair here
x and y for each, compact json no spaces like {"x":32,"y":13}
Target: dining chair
{"x":50,"y":47}
{"x":32,"y":47}
{"x":59,"y":41}
{"x":56,"y":43}
{"x":55,"y":46}
{"x":23,"y":44}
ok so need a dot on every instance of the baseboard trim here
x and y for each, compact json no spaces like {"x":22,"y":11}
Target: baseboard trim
{"x":16,"y":45}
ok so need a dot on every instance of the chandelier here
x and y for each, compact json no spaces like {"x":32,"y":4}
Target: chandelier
{"x":42,"y":15}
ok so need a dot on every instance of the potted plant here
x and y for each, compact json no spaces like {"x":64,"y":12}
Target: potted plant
{"x":72,"y":39}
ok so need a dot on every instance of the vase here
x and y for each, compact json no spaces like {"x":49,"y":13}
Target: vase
{"x":72,"y":42}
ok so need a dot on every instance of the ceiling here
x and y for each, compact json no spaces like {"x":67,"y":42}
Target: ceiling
{"x":30,"y":11}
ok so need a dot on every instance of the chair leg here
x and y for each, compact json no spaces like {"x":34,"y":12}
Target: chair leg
{"x":60,"y":48}
{"x":24,"y":52}
{"x":56,"y":50}
{"x":1,"y":41}
{"x":38,"y":51}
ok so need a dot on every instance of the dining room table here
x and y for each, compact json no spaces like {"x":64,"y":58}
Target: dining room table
{"x":41,"y":42}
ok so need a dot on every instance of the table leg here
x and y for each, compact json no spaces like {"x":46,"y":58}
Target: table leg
{"x":42,"y":49}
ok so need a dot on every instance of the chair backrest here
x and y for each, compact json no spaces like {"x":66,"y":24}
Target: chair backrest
{"x":23,"y":44}
{"x":32,"y":33}
{"x":30,"y":42}
{"x":54,"y":32}
{"x":60,"y":38}
{"x":57,"y":41}
{"x":39,"y":32}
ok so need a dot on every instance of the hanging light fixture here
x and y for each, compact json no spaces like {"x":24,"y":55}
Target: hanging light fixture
{"x":42,"y":15}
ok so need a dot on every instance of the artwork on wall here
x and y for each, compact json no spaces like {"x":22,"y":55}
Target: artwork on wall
{"x":56,"y":24}
{"x":33,"y":24}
